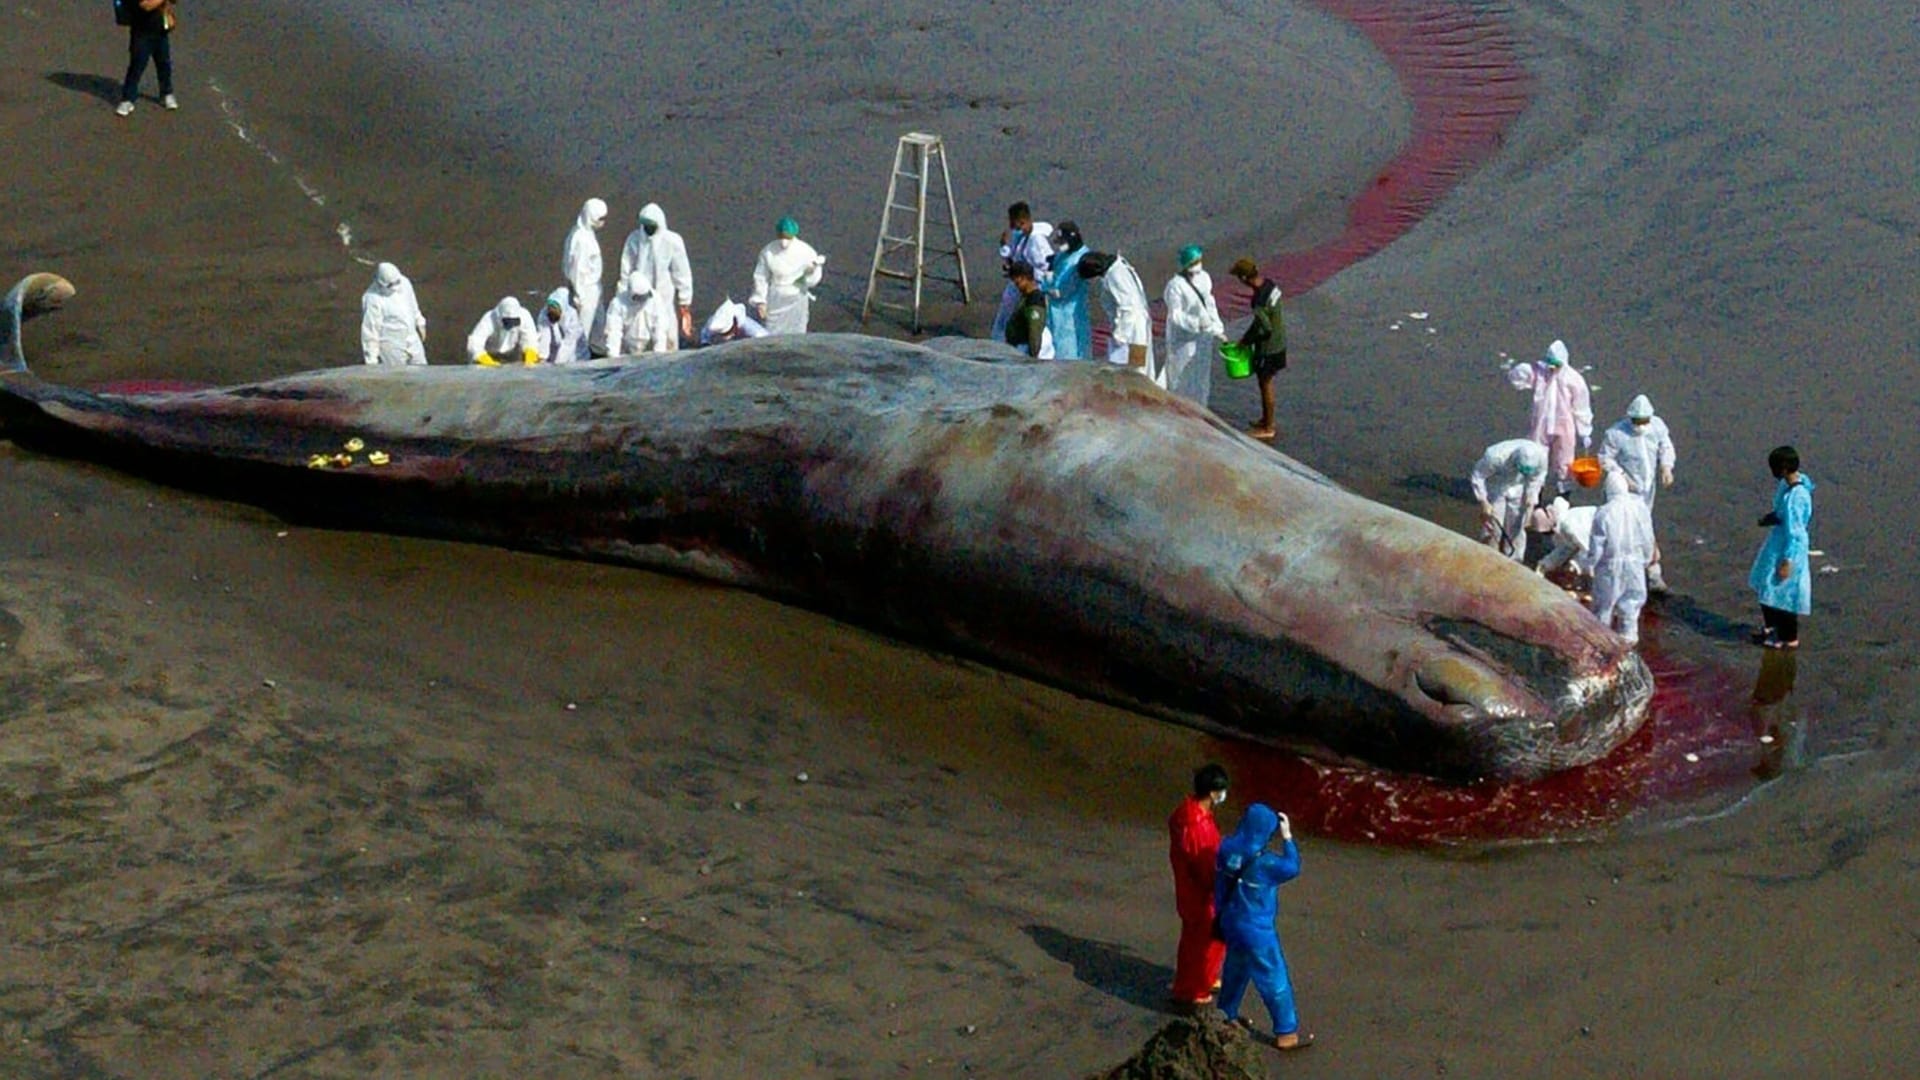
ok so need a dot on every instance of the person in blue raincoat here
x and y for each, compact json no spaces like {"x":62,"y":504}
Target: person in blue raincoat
{"x":1067,"y":317}
{"x":1780,"y":575}
{"x":1245,"y":879}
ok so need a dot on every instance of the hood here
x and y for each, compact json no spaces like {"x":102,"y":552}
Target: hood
{"x":1557,"y":353}
{"x":652,"y":212}
{"x":1615,"y":485}
{"x":1256,"y":829}
{"x":639,"y":284}
{"x":593,"y":214}
{"x":562,"y":296}
{"x":509,"y":308}
{"x":725,"y":316}
{"x":387,"y":276}
{"x":1640,"y":408}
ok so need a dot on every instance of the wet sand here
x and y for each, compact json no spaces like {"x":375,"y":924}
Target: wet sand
{"x":315,"y":804}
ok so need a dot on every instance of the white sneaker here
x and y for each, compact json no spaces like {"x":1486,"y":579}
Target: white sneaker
{"x":169,"y":102}
{"x":125,"y":108}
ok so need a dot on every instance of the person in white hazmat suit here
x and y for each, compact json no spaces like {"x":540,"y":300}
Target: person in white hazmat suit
{"x":632,"y":317}
{"x":730,"y":322}
{"x":504,"y":335}
{"x":1130,"y":341}
{"x":783,"y":273}
{"x":660,"y":253}
{"x":1193,"y":328}
{"x":392,"y":330}
{"x":1640,"y":448}
{"x":583,"y":266}
{"x":1506,"y":482}
{"x":1620,"y":549}
{"x":562,"y":339}
{"x":1572,"y":533}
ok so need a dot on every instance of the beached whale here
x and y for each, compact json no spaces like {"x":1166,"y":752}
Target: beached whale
{"x":1071,"y":521}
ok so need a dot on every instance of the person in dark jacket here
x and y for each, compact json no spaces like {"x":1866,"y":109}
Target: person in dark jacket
{"x":1266,"y":335}
{"x":1027,"y":328}
{"x":1245,"y":879}
{"x":150,"y":31}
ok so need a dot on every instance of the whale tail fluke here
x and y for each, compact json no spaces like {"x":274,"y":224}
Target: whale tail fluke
{"x":36,"y":294}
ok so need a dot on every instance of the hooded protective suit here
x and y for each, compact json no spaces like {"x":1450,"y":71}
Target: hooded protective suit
{"x":1620,"y":549}
{"x":1787,"y":541}
{"x":1506,"y":481}
{"x":1068,"y":321}
{"x":633,"y":318}
{"x":783,"y":273}
{"x":493,"y":341}
{"x":1562,"y":408}
{"x":582,"y":265}
{"x":730,"y":321}
{"x":1193,"y":327}
{"x":1244,"y":889}
{"x":1033,"y":247}
{"x":1572,"y":537}
{"x":1125,"y":296}
{"x":663,"y":258}
{"x":392,"y":330}
{"x":1193,"y":842}
{"x":562,"y":340}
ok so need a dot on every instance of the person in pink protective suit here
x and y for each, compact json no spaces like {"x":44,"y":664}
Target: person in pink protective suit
{"x":1562,"y":408}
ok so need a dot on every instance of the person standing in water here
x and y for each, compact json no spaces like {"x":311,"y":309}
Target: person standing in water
{"x":1780,"y":574}
{"x":1193,"y":843}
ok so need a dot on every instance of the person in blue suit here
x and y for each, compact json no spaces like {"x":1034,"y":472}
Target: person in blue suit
{"x":1246,"y":877}
{"x":1779,"y":573}
{"x":1067,"y":316}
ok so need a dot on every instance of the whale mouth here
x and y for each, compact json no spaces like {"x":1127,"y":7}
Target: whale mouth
{"x":1515,"y":709}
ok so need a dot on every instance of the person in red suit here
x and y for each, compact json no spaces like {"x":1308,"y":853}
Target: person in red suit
{"x":1194,"y":840}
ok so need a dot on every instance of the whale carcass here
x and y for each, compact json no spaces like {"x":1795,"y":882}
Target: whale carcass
{"x":1070,"y":521}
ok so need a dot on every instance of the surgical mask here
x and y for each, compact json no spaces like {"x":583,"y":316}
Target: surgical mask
{"x":785,"y":242}
{"x":649,"y":228}
{"x":1192,"y":270}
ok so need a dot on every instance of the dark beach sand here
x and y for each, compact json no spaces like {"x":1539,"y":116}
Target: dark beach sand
{"x":277,"y":801}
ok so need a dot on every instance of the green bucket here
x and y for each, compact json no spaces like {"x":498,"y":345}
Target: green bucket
{"x":1238,"y":359}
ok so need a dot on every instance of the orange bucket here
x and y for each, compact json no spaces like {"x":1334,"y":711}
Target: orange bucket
{"x":1585,"y":471}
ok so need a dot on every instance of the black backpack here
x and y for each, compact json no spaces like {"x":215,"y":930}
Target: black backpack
{"x":123,"y":12}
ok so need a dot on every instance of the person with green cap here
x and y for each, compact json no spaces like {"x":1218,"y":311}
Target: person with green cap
{"x":787,"y":268}
{"x":1193,"y":328}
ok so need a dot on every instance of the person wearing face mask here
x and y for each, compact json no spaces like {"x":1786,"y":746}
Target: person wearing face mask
{"x":730,"y":322}
{"x":1193,"y":843}
{"x":1640,"y":448}
{"x":632,"y":316}
{"x":504,"y":335}
{"x":1023,"y":241}
{"x":582,"y":265}
{"x":1067,"y":318}
{"x":661,"y":254}
{"x":392,"y":330}
{"x":562,"y":339}
{"x":1193,"y":328}
{"x":1506,"y":482}
{"x":786,"y":269}
{"x":1619,"y":549}
{"x":1562,"y":408}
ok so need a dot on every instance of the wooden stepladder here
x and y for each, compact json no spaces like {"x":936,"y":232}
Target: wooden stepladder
{"x":903,"y":226}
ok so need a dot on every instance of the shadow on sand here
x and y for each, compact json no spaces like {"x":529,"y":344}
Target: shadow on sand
{"x":1108,"y":968}
{"x":107,"y":90}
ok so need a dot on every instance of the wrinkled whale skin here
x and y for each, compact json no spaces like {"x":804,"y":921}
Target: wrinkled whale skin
{"x":1070,"y":521}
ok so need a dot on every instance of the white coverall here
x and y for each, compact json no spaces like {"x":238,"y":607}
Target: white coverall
{"x":1193,"y":328}
{"x":663,"y":258}
{"x":1506,"y":482}
{"x":633,"y":316}
{"x":1572,"y":537}
{"x":392,"y":330}
{"x":730,"y":321}
{"x":1125,"y":296}
{"x":786,"y":269}
{"x":1621,"y":547}
{"x":491,"y":337}
{"x":582,"y":265}
{"x":1034,"y":247}
{"x":563,"y":340}
{"x":1645,"y":455}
